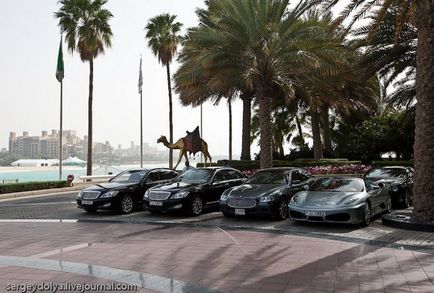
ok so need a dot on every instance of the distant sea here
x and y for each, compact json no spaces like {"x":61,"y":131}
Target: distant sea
{"x":52,"y":173}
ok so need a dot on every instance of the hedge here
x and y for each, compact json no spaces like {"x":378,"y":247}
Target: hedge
{"x":248,"y":165}
{"x":392,"y":163}
{"x":29,"y":186}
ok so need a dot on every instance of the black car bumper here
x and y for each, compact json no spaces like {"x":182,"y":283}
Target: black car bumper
{"x":99,"y":203}
{"x":261,"y":209}
{"x":164,"y":205}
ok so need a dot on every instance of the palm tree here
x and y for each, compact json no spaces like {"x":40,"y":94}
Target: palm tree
{"x":420,"y":13}
{"x":85,"y":24}
{"x":163,"y":35}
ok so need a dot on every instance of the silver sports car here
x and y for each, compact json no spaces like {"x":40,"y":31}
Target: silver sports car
{"x":340,"y":200}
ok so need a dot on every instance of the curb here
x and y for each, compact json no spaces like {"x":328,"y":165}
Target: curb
{"x":42,"y":192}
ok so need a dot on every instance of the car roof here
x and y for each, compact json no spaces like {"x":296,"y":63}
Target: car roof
{"x":392,"y":167}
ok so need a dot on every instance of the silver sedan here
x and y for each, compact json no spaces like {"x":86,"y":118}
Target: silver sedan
{"x":340,"y":200}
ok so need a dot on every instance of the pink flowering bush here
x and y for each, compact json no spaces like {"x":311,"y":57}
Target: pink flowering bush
{"x":249,"y":172}
{"x":345,"y":169}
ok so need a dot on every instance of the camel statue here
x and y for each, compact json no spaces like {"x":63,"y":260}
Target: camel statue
{"x":179,"y":145}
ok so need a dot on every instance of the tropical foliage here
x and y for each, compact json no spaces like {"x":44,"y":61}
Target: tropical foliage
{"x":163,"y":34}
{"x":85,"y":24}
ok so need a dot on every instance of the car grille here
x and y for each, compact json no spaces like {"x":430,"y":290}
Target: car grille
{"x":90,"y":194}
{"x":244,"y":203}
{"x":159,"y":195}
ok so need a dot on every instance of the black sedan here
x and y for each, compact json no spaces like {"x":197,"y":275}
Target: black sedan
{"x":193,"y":190}
{"x":400,"y":180}
{"x":267,"y":192}
{"x":123,"y":192}
{"x":348,"y":200}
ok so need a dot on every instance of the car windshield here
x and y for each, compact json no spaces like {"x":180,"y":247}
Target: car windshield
{"x":267,"y":177}
{"x":130,"y":176}
{"x":386,"y":173}
{"x":195,"y":176}
{"x":337,"y":184}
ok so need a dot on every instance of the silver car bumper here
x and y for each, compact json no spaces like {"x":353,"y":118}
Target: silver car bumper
{"x":345,"y":215}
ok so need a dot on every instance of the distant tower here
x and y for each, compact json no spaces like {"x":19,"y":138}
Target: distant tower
{"x":12,"y":142}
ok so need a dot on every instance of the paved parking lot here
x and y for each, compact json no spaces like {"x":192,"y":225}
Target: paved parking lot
{"x":64,"y":207}
{"x":49,"y":240}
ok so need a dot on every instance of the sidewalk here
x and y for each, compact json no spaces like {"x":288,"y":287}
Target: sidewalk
{"x":181,"y":259}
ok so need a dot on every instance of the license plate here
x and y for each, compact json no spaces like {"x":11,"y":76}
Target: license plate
{"x":240,"y":212}
{"x":156,"y":203}
{"x":315,"y":214}
{"x":87,"y":202}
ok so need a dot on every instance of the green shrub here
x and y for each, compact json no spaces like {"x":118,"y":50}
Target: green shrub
{"x":248,"y":165}
{"x":29,"y":186}
{"x":392,"y":163}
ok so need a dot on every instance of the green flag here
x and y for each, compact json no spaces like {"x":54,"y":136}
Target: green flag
{"x":60,"y":69}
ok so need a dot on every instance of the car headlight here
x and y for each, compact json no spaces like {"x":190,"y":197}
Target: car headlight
{"x":109,"y":194}
{"x":394,"y":188}
{"x":350,"y":200}
{"x":146,"y":195}
{"x":79,"y":194}
{"x":266,"y":198}
{"x":224,"y":197}
{"x":178,"y":195}
{"x":295,"y":200}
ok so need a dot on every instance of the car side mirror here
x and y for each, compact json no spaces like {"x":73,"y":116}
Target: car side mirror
{"x":215,"y":183}
{"x":381,"y":185}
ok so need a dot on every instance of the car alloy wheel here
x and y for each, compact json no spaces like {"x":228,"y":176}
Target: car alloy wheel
{"x":367,"y":215}
{"x":282,"y":212}
{"x":196,"y":206}
{"x":389,"y":205}
{"x":126,"y":204}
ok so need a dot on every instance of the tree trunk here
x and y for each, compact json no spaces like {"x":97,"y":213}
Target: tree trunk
{"x":325,"y":121}
{"x":230,"y":129}
{"x":423,"y":201}
{"x":300,"y":130}
{"x":89,"y":121}
{"x":266,"y":157}
{"x":316,"y":132}
{"x":169,"y":87}
{"x":247,"y":117}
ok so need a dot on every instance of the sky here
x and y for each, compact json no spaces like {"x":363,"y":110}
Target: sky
{"x":29,"y":91}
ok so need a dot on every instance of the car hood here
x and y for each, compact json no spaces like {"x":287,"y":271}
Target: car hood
{"x":111,"y":186}
{"x":322,"y":199}
{"x":176,"y":186}
{"x":253,"y":190}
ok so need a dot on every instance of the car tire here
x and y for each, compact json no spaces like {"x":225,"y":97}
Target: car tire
{"x":90,"y":210}
{"x":406,"y":203}
{"x":195,"y":206}
{"x":126,"y":204}
{"x":282,"y":210}
{"x":228,"y":215}
{"x":366,"y":215}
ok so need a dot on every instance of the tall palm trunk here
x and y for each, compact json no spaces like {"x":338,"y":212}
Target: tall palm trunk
{"x":327,"y":133}
{"x":266,"y":157}
{"x":230,"y":129}
{"x":300,"y":130}
{"x":169,"y":87}
{"x":424,"y":142}
{"x":247,"y":117}
{"x":316,"y":132}
{"x":89,"y":121}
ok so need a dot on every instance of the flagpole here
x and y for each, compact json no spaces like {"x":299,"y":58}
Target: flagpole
{"x":141,"y":131}
{"x":61,"y":131}
{"x":141,"y":112}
